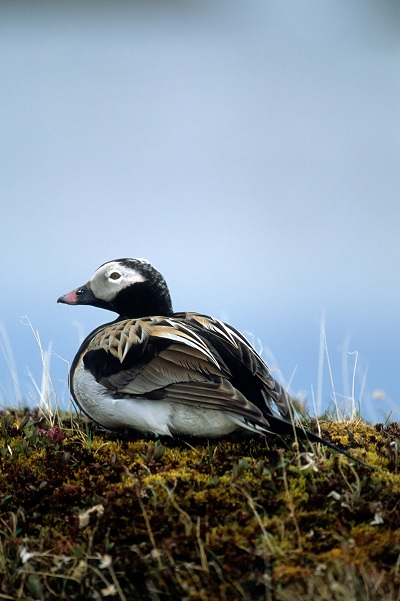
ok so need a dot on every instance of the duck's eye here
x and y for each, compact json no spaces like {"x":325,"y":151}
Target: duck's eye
{"x":115,"y":275}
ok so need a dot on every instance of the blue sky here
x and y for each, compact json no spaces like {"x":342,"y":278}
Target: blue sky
{"x":250,"y":150}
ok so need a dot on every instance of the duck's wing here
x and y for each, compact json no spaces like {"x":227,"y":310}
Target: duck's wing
{"x":249,"y":372}
{"x":165,"y":358}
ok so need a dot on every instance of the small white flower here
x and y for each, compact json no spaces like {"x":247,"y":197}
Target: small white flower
{"x":310,"y":459}
{"x":378,"y":519}
{"x":110,"y":591}
{"x":335,"y":495}
{"x":106,"y":561}
{"x":25,"y":555}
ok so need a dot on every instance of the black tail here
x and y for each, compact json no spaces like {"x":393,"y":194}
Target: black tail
{"x":285,"y":428}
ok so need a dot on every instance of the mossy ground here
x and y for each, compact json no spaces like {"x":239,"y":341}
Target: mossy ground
{"x":92,"y":515}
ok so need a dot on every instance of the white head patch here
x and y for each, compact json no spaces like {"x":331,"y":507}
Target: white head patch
{"x":113,"y":277}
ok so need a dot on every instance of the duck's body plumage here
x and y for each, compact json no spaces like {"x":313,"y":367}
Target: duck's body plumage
{"x":188,"y":367}
{"x":169,"y":373}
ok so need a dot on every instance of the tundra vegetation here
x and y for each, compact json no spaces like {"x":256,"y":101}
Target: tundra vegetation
{"x":88,"y":514}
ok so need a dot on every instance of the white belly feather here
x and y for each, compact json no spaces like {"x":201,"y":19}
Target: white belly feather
{"x":160,"y":417}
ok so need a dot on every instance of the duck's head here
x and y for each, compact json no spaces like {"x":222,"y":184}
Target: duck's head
{"x":130,"y":287}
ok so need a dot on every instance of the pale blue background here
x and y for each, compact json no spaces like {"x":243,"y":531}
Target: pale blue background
{"x":249,"y":149}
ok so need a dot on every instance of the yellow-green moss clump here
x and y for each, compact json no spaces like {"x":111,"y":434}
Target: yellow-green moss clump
{"x":90,"y":515}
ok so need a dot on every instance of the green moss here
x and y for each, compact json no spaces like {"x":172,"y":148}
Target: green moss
{"x":88,"y":512}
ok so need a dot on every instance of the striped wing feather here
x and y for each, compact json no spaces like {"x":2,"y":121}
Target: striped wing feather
{"x":235,"y":344}
{"x":180,"y":359}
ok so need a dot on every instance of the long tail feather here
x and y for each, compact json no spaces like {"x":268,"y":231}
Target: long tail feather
{"x":286,"y":428}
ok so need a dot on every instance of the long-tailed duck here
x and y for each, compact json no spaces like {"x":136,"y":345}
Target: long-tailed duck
{"x":170,"y":373}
